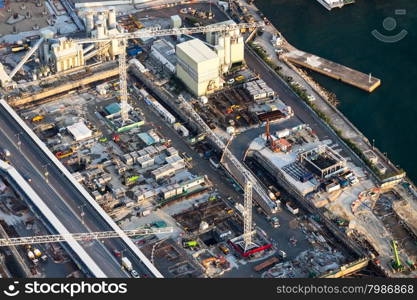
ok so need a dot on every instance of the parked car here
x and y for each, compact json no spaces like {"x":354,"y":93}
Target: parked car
{"x":275,"y":222}
{"x":224,"y":249}
{"x":282,"y":254}
{"x":134,"y":274}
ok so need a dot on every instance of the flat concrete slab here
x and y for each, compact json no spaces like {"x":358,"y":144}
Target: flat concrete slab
{"x":333,"y":70}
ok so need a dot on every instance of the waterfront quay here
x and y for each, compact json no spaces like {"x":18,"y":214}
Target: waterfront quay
{"x":333,"y":70}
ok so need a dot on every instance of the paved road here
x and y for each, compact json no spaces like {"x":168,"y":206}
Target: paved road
{"x":301,"y":110}
{"x":202,"y":166}
{"x":241,"y":142}
{"x":63,"y":199}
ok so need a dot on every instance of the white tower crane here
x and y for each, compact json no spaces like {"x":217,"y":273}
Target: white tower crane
{"x":124,"y":106}
{"x":247,"y":217}
{"x":250,"y":181}
{"x":86,"y":236}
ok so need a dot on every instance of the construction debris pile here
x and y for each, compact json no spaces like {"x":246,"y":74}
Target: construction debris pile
{"x":172,"y":260}
{"x":407,"y":214}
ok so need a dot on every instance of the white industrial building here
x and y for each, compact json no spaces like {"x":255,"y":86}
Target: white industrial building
{"x":80,"y":131}
{"x":66,"y":54}
{"x":229,"y":47}
{"x":101,"y":22}
{"x":176,"y":21}
{"x":198,"y":67}
{"x":164,"y":52}
{"x":62,"y":53}
{"x":104,"y":25}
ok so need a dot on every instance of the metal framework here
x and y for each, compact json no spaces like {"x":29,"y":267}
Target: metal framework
{"x":25,"y":58}
{"x":340,"y":162}
{"x":86,"y":236}
{"x":157,"y":31}
{"x":250,"y":181}
{"x":247,"y":220}
{"x":124,"y":110}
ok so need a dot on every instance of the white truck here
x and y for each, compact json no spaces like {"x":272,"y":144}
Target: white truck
{"x":127,"y":264}
{"x":292,"y":208}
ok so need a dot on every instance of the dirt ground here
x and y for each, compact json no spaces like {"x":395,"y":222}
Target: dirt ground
{"x":26,"y":24}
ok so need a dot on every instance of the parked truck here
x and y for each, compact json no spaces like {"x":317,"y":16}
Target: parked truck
{"x":127,"y":264}
{"x":292,"y":208}
{"x":37,"y":118}
{"x":37,"y":252}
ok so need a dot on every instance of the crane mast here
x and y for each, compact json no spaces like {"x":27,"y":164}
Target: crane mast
{"x":250,"y":180}
{"x":124,"y":109}
{"x":247,"y":218}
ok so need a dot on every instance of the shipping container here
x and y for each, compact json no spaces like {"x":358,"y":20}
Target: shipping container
{"x":266,"y":264}
{"x":133,"y":51}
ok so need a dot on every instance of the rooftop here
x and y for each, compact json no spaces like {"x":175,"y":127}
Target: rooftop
{"x":282,"y":159}
{"x":79,"y":131}
{"x":197,"y":50}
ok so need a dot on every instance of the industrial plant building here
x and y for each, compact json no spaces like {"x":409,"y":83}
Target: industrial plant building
{"x":164,"y":52}
{"x":67,"y":54}
{"x":198,"y":67}
{"x":229,"y":47}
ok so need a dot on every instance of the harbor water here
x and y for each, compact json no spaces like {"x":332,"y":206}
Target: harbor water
{"x":389,"y":114}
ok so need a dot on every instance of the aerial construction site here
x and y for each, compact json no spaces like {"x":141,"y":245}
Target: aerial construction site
{"x":150,"y":141}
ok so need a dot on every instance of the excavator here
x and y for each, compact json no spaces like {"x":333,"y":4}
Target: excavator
{"x":232,"y":108}
{"x":218,"y":261}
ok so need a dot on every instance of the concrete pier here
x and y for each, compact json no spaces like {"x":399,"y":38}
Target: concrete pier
{"x":333,"y":70}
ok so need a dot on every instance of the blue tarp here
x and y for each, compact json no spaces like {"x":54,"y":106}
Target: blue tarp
{"x":112,"y":109}
{"x":1,"y":3}
{"x":146,"y":138}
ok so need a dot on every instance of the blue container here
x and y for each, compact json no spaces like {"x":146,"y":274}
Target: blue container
{"x":343,"y":183}
{"x":133,"y":51}
{"x":208,"y":153}
{"x":306,"y":177}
